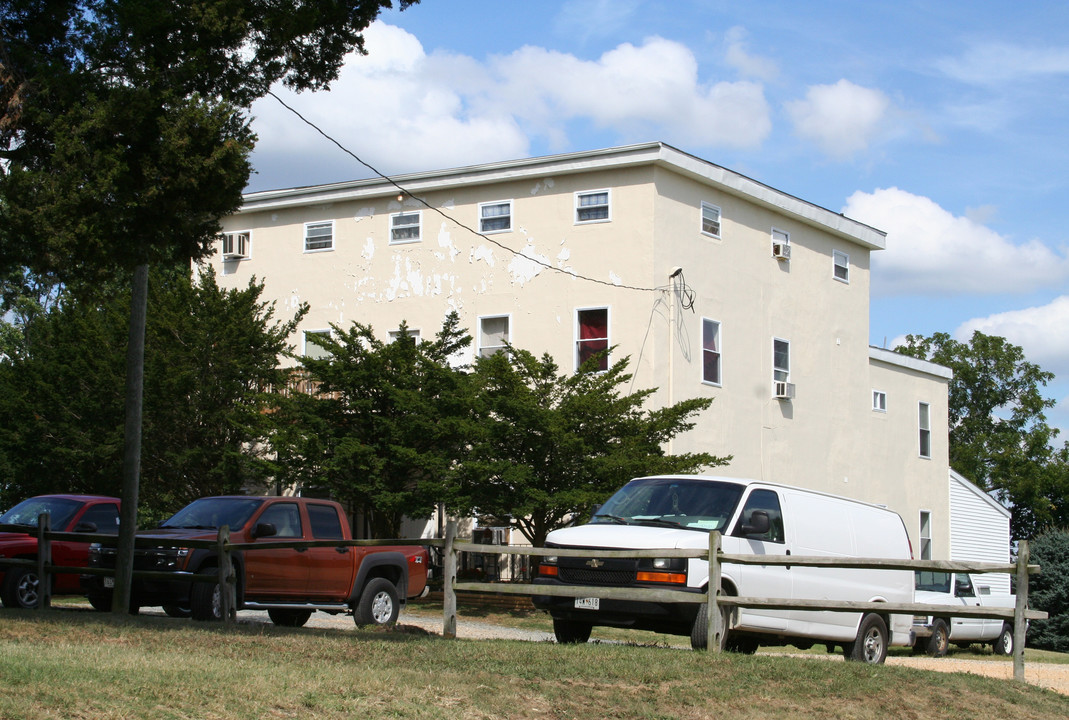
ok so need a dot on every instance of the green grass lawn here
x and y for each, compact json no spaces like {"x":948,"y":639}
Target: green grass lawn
{"x":72,"y":663}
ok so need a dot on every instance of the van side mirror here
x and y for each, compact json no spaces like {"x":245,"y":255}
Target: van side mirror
{"x":758,"y":525}
{"x":264,"y":530}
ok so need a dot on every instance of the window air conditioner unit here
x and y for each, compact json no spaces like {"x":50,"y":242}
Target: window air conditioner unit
{"x":235,"y":246}
{"x":783,"y":390}
{"x":781,"y":251}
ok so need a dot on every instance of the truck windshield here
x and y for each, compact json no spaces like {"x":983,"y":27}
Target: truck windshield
{"x":689,"y":503}
{"x":26,"y":512}
{"x":214,"y":512}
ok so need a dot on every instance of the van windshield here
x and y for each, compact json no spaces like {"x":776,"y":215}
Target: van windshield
{"x":688,"y":503}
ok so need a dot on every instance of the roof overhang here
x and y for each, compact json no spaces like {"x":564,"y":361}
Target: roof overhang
{"x":911,"y":363}
{"x":652,"y":154}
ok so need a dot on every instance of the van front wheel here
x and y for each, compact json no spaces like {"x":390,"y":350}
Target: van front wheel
{"x":871,"y":643}
{"x":571,"y":632}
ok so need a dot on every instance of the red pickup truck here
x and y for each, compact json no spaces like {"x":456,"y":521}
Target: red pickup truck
{"x":20,"y":586}
{"x":371,"y":582}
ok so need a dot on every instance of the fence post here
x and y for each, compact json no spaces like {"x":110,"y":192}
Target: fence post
{"x":714,"y":629}
{"x":227,"y":596}
{"x":449,"y":570}
{"x":44,"y":561}
{"x":1019,"y":622}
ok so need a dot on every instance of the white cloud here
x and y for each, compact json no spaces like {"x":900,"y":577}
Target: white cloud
{"x":843,"y":119}
{"x":748,"y":65}
{"x":931,"y":251}
{"x":402,"y":109}
{"x":998,"y":63}
{"x":1038,"y":330}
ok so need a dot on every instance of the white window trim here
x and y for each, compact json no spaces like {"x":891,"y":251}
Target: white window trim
{"x":332,"y":236}
{"x":719,"y":220}
{"x":922,"y":537}
{"x":835,"y":255}
{"x":608,"y":200}
{"x":719,"y":352}
{"x":413,"y":333}
{"x":575,"y":333}
{"x":921,"y":429}
{"x":304,"y":338}
{"x":774,"y":368}
{"x":500,"y":230}
{"x":479,"y":344}
{"x":875,"y":405}
{"x":419,"y":227}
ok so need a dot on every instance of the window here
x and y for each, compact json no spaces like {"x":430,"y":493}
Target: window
{"x":319,"y":236}
{"x":405,"y":227}
{"x":104,"y":516}
{"x":493,"y":334}
{"x":781,"y":360}
{"x":286,"y":517}
{"x":781,"y":244}
{"x":408,"y":333}
{"x":879,"y":401}
{"x":236,"y":245}
{"x":710,"y":219}
{"x":592,"y":206}
{"x":926,"y":535}
{"x":841,"y":266}
{"x":495,"y":217}
{"x":313,"y":349}
{"x":765,"y":501}
{"x":592,"y":337}
{"x":325,"y":522}
{"x":925,"y":423}
{"x":710,"y":351}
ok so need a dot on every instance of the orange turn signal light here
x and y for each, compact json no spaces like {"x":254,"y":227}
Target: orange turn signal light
{"x":662,"y":577}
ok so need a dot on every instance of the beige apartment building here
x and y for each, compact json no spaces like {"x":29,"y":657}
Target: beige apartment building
{"x":714,"y":285}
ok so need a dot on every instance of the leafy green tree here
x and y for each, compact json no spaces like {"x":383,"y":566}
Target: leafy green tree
{"x":1050,"y":591}
{"x":212,"y":360}
{"x":999,"y":436}
{"x":551,"y":446}
{"x":124,"y":138}
{"x":386,"y":426}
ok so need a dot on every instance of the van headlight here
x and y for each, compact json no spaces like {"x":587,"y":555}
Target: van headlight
{"x":547,"y":566}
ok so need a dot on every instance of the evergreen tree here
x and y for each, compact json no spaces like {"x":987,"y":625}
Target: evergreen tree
{"x":551,"y":446}
{"x":1049,"y":591}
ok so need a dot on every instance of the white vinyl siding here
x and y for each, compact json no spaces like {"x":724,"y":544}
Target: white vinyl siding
{"x":979,"y":530}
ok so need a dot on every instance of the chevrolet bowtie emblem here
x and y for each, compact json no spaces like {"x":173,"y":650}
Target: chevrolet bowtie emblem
{"x":594,"y":563}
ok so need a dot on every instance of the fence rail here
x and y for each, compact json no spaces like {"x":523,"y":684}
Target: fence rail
{"x":452,"y":548}
{"x":713,"y":600}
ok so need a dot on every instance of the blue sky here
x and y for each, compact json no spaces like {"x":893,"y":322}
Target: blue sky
{"x":942,"y":123}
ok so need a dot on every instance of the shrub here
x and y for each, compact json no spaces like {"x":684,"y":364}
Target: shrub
{"x":1050,"y":591}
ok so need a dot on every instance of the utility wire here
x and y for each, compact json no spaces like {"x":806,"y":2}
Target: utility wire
{"x":427,"y":205}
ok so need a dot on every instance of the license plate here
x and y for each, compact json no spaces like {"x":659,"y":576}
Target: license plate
{"x":109,"y":582}
{"x":587,"y":603}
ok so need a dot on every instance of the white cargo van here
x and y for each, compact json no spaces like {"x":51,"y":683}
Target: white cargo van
{"x":756,"y":518}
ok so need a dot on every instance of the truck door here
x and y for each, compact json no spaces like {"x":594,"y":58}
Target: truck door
{"x":330,"y":568}
{"x":763,"y":581}
{"x":966,"y":628}
{"x":277,"y":572}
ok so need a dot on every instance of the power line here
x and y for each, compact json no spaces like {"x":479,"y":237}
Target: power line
{"x":445,"y":215}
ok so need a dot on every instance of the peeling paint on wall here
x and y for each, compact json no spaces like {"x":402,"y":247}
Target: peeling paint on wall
{"x":527,"y":265}
{"x":445,"y":240}
{"x":542,"y":185}
{"x":369,"y":249}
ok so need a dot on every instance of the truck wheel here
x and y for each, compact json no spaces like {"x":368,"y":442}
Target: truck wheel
{"x":939,"y":642}
{"x":206,"y":601}
{"x":21,"y":588}
{"x":571,"y":632}
{"x":1004,"y":644}
{"x":378,"y":604}
{"x":289,"y":618}
{"x":871,"y":644}
{"x":100,"y":603}
{"x":177,"y":611}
